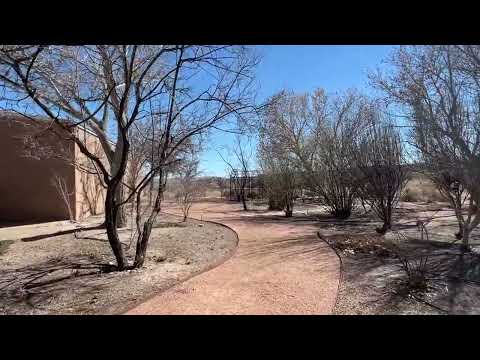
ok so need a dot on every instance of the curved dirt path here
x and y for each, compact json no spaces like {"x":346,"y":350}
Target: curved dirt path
{"x":280,"y":267}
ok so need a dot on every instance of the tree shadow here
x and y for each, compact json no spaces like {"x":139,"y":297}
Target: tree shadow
{"x":453,"y":280}
{"x":64,"y":232}
{"x":308,"y":249}
{"x":30,"y":287}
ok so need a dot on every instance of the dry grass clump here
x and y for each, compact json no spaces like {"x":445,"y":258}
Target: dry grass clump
{"x":420,"y":189}
{"x":4,"y":244}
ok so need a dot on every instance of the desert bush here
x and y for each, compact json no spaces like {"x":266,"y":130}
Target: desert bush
{"x":408,"y":196}
{"x":438,"y":88}
{"x":316,"y":130}
{"x":4,"y":244}
{"x":189,"y":187}
{"x":240,"y":169}
{"x":416,"y":273}
{"x":420,"y":189}
{"x":275,"y":202}
{"x":379,"y":169}
{"x":364,"y":244}
{"x":222,"y":184}
{"x":279,"y":179}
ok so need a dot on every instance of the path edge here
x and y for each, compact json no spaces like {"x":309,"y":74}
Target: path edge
{"x":341,"y":270}
{"x":212,"y":266}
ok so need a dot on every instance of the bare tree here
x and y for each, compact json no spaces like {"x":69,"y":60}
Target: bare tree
{"x":280,"y":178}
{"x":449,"y":185}
{"x":179,"y":91}
{"x":221,"y":182}
{"x":240,"y":169}
{"x":189,"y":186}
{"x":438,"y":88}
{"x":280,"y":173}
{"x":318,"y":130}
{"x":140,"y":154}
{"x":379,"y":169}
{"x":65,"y":193}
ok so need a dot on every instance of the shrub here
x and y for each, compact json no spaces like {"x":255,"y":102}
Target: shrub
{"x":421,"y":189}
{"x":4,"y":244}
{"x":363,"y":244}
{"x":416,"y":272}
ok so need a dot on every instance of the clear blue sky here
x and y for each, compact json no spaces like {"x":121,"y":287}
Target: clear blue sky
{"x":302,"y":69}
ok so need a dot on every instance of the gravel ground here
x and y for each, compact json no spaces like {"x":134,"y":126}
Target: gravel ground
{"x":66,"y":274}
{"x":280,"y":267}
{"x":374,"y":283}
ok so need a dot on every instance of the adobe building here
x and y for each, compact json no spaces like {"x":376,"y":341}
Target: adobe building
{"x":38,"y":179}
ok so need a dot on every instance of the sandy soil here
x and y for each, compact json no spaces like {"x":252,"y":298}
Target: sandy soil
{"x":374,"y":283}
{"x":280,"y":267}
{"x":66,"y":274}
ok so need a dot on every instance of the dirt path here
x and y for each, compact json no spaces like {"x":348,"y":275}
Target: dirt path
{"x":280,"y":267}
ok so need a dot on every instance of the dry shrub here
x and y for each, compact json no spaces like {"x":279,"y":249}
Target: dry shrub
{"x":4,"y":244}
{"x":417,"y":274}
{"x":363,"y":244}
{"x":421,"y":277}
{"x":421,"y":189}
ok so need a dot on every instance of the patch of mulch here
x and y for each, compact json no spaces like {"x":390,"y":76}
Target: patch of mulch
{"x":372,"y":244}
{"x":71,"y":274}
{"x":374,"y":282}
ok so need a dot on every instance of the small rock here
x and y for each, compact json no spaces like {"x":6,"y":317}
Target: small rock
{"x":475,"y":249}
{"x":200,"y":225}
{"x":184,"y":261}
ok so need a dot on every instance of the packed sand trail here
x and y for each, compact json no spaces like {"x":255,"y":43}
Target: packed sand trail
{"x":280,"y":267}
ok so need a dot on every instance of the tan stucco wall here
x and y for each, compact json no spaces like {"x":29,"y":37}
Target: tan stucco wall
{"x":26,"y":189}
{"x":90,"y":194}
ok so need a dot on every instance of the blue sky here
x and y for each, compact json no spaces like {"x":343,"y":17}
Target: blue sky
{"x":302,"y":69}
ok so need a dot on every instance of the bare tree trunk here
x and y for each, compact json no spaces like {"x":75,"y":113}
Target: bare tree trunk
{"x":288,"y":210}
{"x":465,"y":238}
{"x":387,"y":225}
{"x":244,"y":201}
{"x":116,"y":165}
{"x":121,"y":219}
{"x":142,"y":242}
{"x":141,"y":250}
{"x":458,"y":212}
{"x":150,"y":192}
{"x":387,"y":221}
{"x":111,"y":226}
{"x":459,"y":234}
